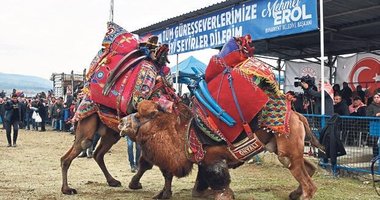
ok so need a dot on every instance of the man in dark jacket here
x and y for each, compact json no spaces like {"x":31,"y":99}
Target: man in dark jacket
{"x":13,"y":116}
{"x":346,"y":93}
{"x":340,"y":106}
{"x":329,"y":131}
{"x":43,"y":113}
{"x":329,"y":105}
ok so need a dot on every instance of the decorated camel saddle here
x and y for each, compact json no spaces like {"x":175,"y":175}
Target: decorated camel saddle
{"x":235,"y":89}
{"x":124,"y":72}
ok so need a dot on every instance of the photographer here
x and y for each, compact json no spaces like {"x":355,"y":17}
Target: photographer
{"x":13,"y":116}
{"x":329,"y":105}
{"x":329,"y":134}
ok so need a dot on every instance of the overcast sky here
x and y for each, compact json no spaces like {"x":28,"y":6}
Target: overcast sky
{"x":41,"y":37}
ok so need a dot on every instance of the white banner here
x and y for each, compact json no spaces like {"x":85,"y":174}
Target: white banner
{"x":362,"y":68}
{"x":300,"y":69}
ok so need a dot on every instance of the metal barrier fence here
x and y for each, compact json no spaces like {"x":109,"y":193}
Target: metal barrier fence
{"x":360,"y":137}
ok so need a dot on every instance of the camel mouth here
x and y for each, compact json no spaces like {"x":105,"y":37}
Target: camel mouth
{"x":122,"y":133}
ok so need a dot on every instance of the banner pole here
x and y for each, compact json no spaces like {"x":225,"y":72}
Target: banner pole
{"x":322,"y":41}
{"x":177,"y":76}
{"x":111,"y":11}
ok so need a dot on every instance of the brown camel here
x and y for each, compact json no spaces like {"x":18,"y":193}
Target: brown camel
{"x":88,"y":126}
{"x":85,"y":131}
{"x":162,"y":137}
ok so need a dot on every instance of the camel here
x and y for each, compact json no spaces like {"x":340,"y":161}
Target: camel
{"x":114,"y":63}
{"x":84,"y":133}
{"x":162,"y":137}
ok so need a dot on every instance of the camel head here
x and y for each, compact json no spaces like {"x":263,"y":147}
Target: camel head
{"x":130,"y":124}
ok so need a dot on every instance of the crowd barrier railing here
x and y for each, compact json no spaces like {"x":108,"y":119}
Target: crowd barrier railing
{"x":360,"y":138}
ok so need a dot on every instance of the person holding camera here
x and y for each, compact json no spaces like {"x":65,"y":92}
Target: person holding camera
{"x":13,"y":117}
{"x":329,"y":96}
{"x":328,"y":134}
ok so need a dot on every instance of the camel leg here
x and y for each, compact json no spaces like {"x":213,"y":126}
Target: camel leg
{"x":310,"y":168}
{"x":84,"y":134}
{"x":166,"y":192}
{"x":108,"y":139}
{"x":219,"y":179}
{"x":143,"y":167}
{"x":290,"y":154}
{"x":201,"y":186}
{"x":300,"y":173}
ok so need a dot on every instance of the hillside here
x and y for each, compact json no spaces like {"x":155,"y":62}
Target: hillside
{"x":30,"y":85}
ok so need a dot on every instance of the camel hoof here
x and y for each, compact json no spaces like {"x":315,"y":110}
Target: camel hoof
{"x":135,"y":186}
{"x":202,"y":194}
{"x":69,"y":191}
{"x":226,"y":194}
{"x":164,"y":194}
{"x":114,"y":183}
{"x":295,"y":195}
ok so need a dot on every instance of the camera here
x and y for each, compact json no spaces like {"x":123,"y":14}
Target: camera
{"x":307,"y":79}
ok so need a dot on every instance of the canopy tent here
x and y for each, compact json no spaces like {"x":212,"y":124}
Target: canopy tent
{"x":185,"y":71}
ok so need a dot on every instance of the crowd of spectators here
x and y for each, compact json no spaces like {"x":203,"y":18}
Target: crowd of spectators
{"x":43,"y":109}
{"x":345,"y":102}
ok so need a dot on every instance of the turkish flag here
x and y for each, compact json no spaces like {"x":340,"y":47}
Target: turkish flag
{"x":363,"y":69}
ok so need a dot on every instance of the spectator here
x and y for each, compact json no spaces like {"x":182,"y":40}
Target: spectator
{"x":336,"y":89}
{"x":370,"y":99}
{"x":329,"y":105}
{"x":360,"y":92}
{"x":373,"y":110}
{"x":133,"y":159}
{"x":346,"y":93}
{"x":357,"y":108}
{"x":42,"y":112}
{"x":340,"y":106}
{"x":328,"y":135}
{"x":35,"y":109}
{"x":69,"y":99}
{"x":23,"y":110}
{"x":13,"y":116}
{"x":50,"y":112}
{"x":28,"y":114}
{"x":58,"y":114}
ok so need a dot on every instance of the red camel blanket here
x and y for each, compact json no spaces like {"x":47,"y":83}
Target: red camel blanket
{"x":250,"y":97}
{"x":256,"y":90}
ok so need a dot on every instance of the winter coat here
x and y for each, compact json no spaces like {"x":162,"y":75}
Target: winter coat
{"x":341,"y":108}
{"x":9,"y":111}
{"x":329,"y":105}
{"x":373,"y":109}
{"x":329,"y":138}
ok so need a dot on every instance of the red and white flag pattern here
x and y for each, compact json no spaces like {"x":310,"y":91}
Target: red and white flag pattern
{"x":361,"y":68}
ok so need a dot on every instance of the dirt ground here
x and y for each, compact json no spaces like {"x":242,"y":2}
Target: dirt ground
{"x":32,"y":171}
